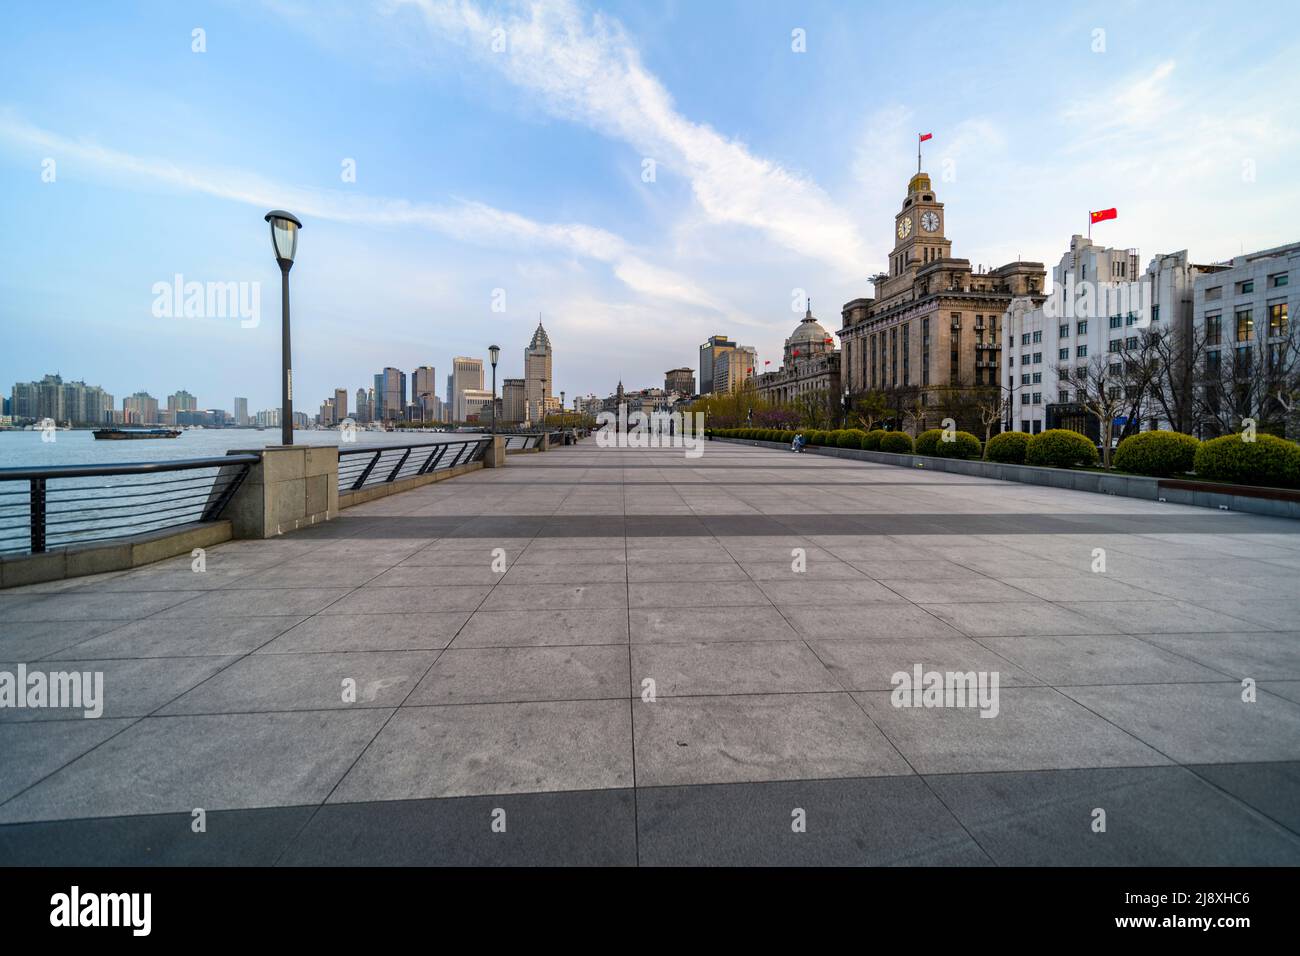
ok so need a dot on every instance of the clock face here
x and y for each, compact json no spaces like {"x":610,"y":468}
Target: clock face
{"x":904,"y":227}
{"x":930,"y":221}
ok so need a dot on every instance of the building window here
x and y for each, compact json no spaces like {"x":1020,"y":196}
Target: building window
{"x":1063,"y":355}
{"x":1038,"y":358}
{"x":1063,"y":332}
{"x":1024,"y":339}
{"x":1215,"y":293}
{"x":907,"y":355}
{"x":1245,"y":288}
{"x":1115,"y":345}
{"x":1081,"y":352}
{"x":1115,"y":321}
{"x":1245,"y":326}
{"x":1063,"y":396}
{"x":1214,"y":330}
{"x":1083,"y":328}
{"x":1024,"y":379}
{"x":1130,"y":319}
{"x":1024,"y":398}
{"x":1131,"y":342}
{"x":1038,"y":378}
{"x":1038,"y":398}
{"x":1038,"y":336}
{"x":1155,"y":313}
{"x":1278,"y":280}
{"x":1277,"y":319}
{"x":956,"y":320}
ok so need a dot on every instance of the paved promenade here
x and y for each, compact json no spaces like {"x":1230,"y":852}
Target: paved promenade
{"x":488,"y":701}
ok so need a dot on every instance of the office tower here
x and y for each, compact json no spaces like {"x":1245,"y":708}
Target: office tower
{"x":537,"y":373}
{"x":390,"y":395}
{"x":731,"y":367}
{"x":340,"y":404}
{"x":466,"y":375}
{"x":241,"y":411}
{"x":424,"y":391}
{"x":478,"y":405}
{"x":513,"y":407}
{"x":680,"y":380}
{"x":709,"y":352}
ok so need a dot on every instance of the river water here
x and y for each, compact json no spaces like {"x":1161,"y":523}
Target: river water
{"x":23,"y":449}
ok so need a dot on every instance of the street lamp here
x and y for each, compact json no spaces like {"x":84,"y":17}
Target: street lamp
{"x":494,"y":351}
{"x":284,"y":240}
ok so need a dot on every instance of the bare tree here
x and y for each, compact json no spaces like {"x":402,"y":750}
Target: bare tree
{"x":1099,"y":387}
{"x":870,"y":408}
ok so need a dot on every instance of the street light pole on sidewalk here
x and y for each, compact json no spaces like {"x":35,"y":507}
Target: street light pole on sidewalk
{"x":284,"y":240}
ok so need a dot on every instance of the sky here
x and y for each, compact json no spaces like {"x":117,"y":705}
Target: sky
{"x":641,"y":175}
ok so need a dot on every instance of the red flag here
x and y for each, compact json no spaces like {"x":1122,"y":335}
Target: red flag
{"x":925,"y":136}
{"x":749,"y":370}
{"x":1103,"y":214}
{"x":829,"y":340}
{"x":768,"y":362}
{"x":796,"y":352}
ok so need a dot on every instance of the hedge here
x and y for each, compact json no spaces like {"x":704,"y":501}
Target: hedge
{"x":1007,"y":448}
{"x":963,"y":445}
{"x":871,"y":440}
{"x":896,"y":442}
{"x":1268,"y":460}
{"x":927,"y":443}
{"x":1060,"y":448}
{"x":852,"y":438}
{"x":1156,"y":453}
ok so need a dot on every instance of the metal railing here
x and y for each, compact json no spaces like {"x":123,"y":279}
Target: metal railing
{"x":60,"y":505}
{"x":522,"y":442}
{"x":366,"y":466}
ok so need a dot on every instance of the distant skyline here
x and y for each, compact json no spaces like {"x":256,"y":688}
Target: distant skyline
{"x":524,"y":170}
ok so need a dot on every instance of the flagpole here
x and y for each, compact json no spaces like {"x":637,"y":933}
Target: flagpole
{"x":918,"y":154}
{"x":1090,"y":227}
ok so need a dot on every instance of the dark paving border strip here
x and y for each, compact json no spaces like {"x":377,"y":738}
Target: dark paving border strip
{"x":635,"y":526}
{"x":1156,"y":816}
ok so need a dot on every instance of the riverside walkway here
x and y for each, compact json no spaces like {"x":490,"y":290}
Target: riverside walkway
{"x":614,"y":656}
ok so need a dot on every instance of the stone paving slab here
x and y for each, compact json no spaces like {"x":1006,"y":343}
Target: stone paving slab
{"x":518,"y":685}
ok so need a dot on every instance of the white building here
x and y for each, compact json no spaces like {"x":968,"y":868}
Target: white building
{"x":1099,"y":304}
{"x":1244,"y":306}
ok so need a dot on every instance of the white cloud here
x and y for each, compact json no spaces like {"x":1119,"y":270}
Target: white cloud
{"x":584,"y":68}
{"x":465,"y":220}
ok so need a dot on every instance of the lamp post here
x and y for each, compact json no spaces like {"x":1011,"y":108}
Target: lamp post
{"x":284,"y":240}
{"x":542,"y":411}
{"x":493,"y":352}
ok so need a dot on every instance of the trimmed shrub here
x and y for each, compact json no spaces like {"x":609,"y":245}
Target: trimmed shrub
{"x":1008,"y":448}
{"x":1268,"y":460}
{"x":896,"y":442}
{"x":1060,"y":448}
{"x":852,"y":438}
{"x":813,"y":436}
{"x":963,"y":445}
{"x":927,"y":443}
{"x":1156,"y":453}
{"x":871,"y":440}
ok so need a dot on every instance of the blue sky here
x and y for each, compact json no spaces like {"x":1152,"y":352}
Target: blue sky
{"x":522,"y":170}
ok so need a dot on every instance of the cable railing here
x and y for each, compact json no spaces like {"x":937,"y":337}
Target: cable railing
{"x":61,"y":505}
{"x":367,"y":466}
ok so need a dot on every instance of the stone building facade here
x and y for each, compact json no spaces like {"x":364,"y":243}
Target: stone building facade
{"x":933,"y":325}
{"x":810,"y":364}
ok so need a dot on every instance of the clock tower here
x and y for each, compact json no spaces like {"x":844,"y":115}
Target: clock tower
{"x":918,"y":231}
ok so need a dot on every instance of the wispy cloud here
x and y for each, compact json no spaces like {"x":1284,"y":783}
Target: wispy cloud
{"x":463,"y":220}
{"x":584,"y":68}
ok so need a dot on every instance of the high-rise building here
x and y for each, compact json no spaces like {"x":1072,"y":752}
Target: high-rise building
{"x":513,"y":406}
{"x":362,"y":414}
{"x":327,"y":414}
{"x":732,"y":367}
{"x":466,"y":375}
{"x":241,"y":411}
{"x":538,"y":379}
{"x":477,"y":403}
{"x":140,"y":409}
{"x":53,"y":398}
{"x":181,"y":401}
{"x":424,"y":393}
{"x":680,"y":380}
{"x":709,"y":352}
{"x":390,"y":395}
{"x":340,"y":404}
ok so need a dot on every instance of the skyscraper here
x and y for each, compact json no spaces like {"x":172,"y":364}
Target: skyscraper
{"x":363,"y":407}
{"x":537,"y":373}
{"x":340,"y":404}
{"x":709,"y":352}
{"x":390,"y":395}
{"x":466,"y":375}
{"x":241,"y":411}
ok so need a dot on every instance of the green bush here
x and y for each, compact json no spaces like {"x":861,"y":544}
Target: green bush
{"x":852,"y":438}
{"x":813,"y":436}
{"x":927,"y":443}
{"x":1156,"y":453}
{"x":1268,"y":460}
{"x":1008,"y":448}
{"x":1060,"y":448}
{"x":871,"y":440}
{"x":896,"y":442}
{"x":963,"y":445}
